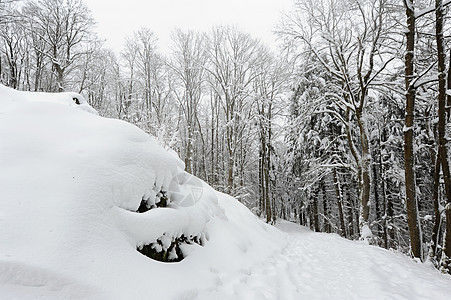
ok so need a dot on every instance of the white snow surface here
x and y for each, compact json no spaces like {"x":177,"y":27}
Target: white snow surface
{"x":70,"y":182}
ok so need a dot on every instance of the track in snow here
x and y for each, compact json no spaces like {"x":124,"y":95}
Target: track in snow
{"x":326,"y":266}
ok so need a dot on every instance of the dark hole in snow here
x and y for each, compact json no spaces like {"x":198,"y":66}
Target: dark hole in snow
{"x":143,"y":207}
{"x":170,"y":250}
{"x":173,"y":253}
{"x":160,"y":201}
{"x":76,"y":100}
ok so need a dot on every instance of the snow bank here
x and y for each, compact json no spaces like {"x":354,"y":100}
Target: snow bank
{"x":70,"y":185}
{"x":11,"y":98}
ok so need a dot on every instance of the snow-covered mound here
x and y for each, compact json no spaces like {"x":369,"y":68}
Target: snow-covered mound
{"x":11,"y":98}
{"x":71,"y":183}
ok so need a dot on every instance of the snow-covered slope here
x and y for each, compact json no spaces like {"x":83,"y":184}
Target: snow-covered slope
{"x":70,"y":185}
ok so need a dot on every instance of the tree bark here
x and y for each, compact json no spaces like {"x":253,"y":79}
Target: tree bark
{"x":382,"y":137}
{"x":315,"y":210}
{"x":437,"y":216}
{"x":363,"y":161}
{"x":365,"y":165}
{"x":230,"y":148}
{"x":266,"y":187}
{"x":261,"y":192}
{"x":326,"y":213}
{"x":442,"y":141}
{"x":339,"y":203}
{"x":448,"y":97}
{"x":189,"y":149}
{"x":409,"y":168}
{"x":350,"y":211}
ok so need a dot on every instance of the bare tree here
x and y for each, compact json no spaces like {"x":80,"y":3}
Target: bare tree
{"x":7,"y":11}
{"x":189,"y":65}
{"x":64,"y":25}
{"x":269,"y":84}
{"x":130,"y":57}
{"x":145,"y":43}
{"x":14,"y":49}
{"x":233,"y":55}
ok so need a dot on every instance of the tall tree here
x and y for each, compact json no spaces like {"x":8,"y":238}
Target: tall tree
{"x":268,"y":85}
{"x":189,"y":65}
{"x":409,"y":157}
{"x":348,"y":38}
{"x":442,"y":140}
{"x":15,"y":50}
{"x":66,"y":25}
{"x":233,"y":55}
{"x":130,"y":93}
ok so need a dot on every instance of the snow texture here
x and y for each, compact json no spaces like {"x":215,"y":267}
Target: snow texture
{"x":71,"y":181}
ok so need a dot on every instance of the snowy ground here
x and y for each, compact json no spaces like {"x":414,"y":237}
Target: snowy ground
{"x":325,"y":266}
{"x":71,"y":181}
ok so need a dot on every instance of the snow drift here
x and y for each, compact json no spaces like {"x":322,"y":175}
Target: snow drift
{"x":70,"y":185}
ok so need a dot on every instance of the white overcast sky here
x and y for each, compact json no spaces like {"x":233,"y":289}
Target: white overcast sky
{"x":117,"y":19}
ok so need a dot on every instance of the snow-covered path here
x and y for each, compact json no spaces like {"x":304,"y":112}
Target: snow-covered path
{"x":324,"y":266}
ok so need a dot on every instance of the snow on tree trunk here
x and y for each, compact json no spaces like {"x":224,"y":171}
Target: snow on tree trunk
{"x":365,"y":177}
{"x":339,"y":203}
{"x":442,"y":139}
{"x":409,"y":168}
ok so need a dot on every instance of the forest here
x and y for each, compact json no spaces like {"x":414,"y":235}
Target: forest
{"x":344,"y":128}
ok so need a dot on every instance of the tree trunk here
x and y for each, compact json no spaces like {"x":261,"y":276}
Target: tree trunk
{"x":230,"y":165}
{"x":189,"y":150}
{"x":363,"y":161}
{"x":268,"y":198}
{"x":437,"y":216}
{"x":59,"y":76}
{"x":365,"y":181}
{"x":212,"y":178}
{"x":350,"y":211}
{"x":261,"y":191}
{"x":409,"y":155}
{"x":448,"y":97}
{"x":309,"y":214}
{"x":442,"y":141}
{"x":326,"y":214}
{"x":377,"y":202}
{"x":269,"y":181}
{"x":356,"y":209}
{"x":384,"y":195}
{"x":339,"y":203}
{"x":315,"y":210}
